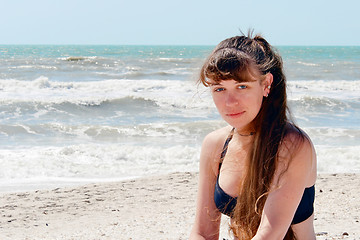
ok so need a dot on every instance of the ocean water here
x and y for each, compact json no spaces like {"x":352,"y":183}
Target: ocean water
{"x":78,"y":114}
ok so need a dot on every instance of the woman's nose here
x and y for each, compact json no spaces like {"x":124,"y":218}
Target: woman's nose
{"x":231,"y":99}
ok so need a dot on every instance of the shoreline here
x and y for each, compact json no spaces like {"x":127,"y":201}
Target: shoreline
{"x":156,"y":207}
{"x":53,"y":183}
{"x":29,"y":185}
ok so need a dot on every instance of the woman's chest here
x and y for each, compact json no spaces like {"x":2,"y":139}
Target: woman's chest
{"x":232,"y":171}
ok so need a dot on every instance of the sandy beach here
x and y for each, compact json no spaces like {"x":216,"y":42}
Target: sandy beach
{"x":161,"y":207}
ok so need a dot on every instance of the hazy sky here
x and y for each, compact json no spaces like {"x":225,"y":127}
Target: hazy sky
{"x":198,"y":22}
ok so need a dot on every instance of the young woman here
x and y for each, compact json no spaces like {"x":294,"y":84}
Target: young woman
{"x":261,"y":169}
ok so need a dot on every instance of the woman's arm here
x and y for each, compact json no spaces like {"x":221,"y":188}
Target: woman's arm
{"x":207,"y":219}
{"x":291,"y":178}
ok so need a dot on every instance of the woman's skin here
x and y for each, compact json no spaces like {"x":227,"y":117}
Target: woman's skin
{"x":238,"y":104}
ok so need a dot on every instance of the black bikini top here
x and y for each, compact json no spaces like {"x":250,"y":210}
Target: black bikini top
{"x":226,"y":204}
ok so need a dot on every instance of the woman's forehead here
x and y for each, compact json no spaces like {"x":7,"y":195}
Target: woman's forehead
{"x":227,"y":81}
{"x":245,"y":76}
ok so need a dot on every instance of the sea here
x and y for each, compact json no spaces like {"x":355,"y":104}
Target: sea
{"x":76,"y":114}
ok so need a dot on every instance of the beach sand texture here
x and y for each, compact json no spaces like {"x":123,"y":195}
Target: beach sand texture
{"x":161,"y":207}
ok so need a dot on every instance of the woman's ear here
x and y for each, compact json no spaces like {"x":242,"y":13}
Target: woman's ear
{"x":267,"y":84}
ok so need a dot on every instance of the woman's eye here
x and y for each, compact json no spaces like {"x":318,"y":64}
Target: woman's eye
{"x":242,"y":87}
{"x":219,"y":89}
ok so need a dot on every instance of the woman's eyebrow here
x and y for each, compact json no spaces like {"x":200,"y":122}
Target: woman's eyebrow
{"x":214,"y":84}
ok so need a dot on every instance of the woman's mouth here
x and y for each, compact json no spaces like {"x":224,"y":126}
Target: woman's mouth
{"x":234,"y":115}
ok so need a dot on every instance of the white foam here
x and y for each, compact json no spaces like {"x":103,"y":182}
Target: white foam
{"x":51,"y":166}
{"x":337,"y":89}
{"x":342,"y":159}
{"x":307,"y":64}
{"x":93,"y":161}
{"x":44,"y":90}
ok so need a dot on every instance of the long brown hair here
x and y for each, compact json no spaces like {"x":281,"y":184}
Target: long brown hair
{"x":233,"y":59}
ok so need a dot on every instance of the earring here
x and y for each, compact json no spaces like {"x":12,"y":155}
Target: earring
{"x":268,"y":87}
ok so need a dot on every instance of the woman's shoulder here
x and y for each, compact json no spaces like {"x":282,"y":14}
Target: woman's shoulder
{"x":295,"y":138}
{"x":296,"y":146}
{"x":213,"y":144}
{"x":297,"y":150}
{"x":217,"y":137}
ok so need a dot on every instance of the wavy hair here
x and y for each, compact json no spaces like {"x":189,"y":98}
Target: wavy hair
{"x":234,"y":58}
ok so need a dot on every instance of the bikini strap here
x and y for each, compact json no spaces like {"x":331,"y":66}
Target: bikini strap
{"x":225,"y":148}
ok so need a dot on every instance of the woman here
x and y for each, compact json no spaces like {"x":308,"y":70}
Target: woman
{"x":261,"y":169}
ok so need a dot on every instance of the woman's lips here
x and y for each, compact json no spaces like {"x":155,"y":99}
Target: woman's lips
{"x":234,"y":115}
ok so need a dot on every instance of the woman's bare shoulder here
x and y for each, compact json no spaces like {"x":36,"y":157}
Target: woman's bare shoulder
{"x":217,"y":137}
{"x":213,"y":144}
{"x":297,"y":154}
{"x":295,"y":139}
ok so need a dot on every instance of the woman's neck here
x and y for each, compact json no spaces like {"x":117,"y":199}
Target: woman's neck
{"x":244,"y":137}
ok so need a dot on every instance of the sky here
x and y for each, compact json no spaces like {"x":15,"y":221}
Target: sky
{"x":178,"y":22}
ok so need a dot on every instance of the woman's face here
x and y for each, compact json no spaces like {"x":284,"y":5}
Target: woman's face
{"x":239,"y":103}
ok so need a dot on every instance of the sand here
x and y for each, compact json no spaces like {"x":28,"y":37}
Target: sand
{"x":161,"y":207}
